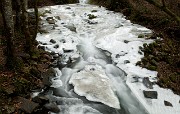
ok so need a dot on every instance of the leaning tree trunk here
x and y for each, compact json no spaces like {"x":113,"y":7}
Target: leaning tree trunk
{"x":9,"y":31}
{"x":29,"y":45}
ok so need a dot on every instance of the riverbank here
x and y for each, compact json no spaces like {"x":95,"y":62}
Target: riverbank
{"x":162,"y":56}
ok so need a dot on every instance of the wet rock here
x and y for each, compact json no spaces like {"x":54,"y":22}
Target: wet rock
{"x":58,"y":17}
{"x":47,"y":76}
{"x":118,"y":25}
{"x":167,"y":103}
{"x":135,"y":79}
{"x":26,"y":105}
{"x":117,"y":56}
{"x":141,"y":36}
{"x":52,"y":107}
{"x":41,"y":47}
{"x":67,"y":50}
{"x":41,"y":30}
{"x":91,"y":16}
{"x":126,"y":61}
{"x":51,"y":21}
{"x":147,"y":83}
{"x":52,"y":53}
{"x":94,"y":11}
{"x":150,"y":94}
{"x":126,"y":41}
{"x":68,"y":7}
{"x":71,"y":27}
{"x":41,"y":100}
{"x":92,"y":22}
{"x":56,"y":46}
{"x":49,"y":18}
{"x":52,"y":41}
{"x":44,"y":44}
{"x":63,"y":40}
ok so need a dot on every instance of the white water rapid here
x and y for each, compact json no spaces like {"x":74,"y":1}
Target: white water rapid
{"x":95,"y":53}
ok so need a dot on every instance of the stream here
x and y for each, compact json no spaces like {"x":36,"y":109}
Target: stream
{"x":92,"y":48}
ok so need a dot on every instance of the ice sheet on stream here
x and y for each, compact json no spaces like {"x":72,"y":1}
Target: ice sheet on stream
{"x":111,"y":32}
{"x":95,"y":85}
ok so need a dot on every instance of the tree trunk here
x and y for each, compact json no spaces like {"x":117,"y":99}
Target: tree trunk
{"x":37,"y":19}
{"x":18,"y":15}
{"x":9,"y":31}
{"x":29,"y":45}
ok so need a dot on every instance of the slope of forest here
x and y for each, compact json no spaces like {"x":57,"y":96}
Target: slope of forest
{"x":162,"y":55}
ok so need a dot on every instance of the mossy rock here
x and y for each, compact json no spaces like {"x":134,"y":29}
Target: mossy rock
{"x":94,"y":11}
{"x":151,"y":67}
{"x":141,"y":36}
{"x":91,"y":16}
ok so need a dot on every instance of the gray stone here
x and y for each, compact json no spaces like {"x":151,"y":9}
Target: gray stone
{"x":56,"y":46}
{"x":51,"y":21}
{"x":71,"y":27}
{"x":52,"y":107}
{"x":27,"y":105}
{"x":50,"y":73}
{"x":52,"y":41}
{"x":147,"y":83}
{"x":67,"y":50}
{"x":126,"y":61}
{"x":150,"y":94}
{"x":41,"y":47}
{"x":167,"y":103}
{"x":126,"y":41}
{"x":41,"y":100}
{"x":49,"y":18}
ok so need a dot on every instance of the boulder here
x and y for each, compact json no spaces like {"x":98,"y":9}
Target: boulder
{"x":50,"y":73}
{"x":52,"y":107}
{"x":52,"y":41}
{"x":147,"y":83}
{"x":167,"y":103}
{"x":26,"y":105}
{"x":150,"y":94}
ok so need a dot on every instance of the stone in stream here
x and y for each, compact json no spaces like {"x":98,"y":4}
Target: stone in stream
{"x":71,"y":27}
{"x":150,"y":94}
{"x":26,"y":105}
{"x":52,"y":107}
{"x":41,"y":100}
{"x":50,"y":73}
{"x":147,"y":83}
{"x":56,"y":46}
{"x":52,"y":41}
{"x":126,"y":61}
{"x":167,"y":103}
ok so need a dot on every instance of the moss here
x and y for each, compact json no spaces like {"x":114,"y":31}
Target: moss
{"x":151,"y":67}
{"x":141,"y":36}
{"x":91,"y":16}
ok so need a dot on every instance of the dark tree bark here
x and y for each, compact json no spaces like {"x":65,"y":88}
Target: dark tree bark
{"x":18,"y":15}
{"x":7,"y":14}
{"x":29,"y":45}
{"x":37,"y":19}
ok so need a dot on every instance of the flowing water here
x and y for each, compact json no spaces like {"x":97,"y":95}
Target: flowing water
{"x":91,"y":83}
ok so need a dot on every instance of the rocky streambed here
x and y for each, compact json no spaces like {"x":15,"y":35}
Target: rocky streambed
{"x":95,"y":52}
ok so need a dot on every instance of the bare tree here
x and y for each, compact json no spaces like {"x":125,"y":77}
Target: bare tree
{"x":164,"y":8}
{"x":7,"y":13}
{"x":24,"y":6}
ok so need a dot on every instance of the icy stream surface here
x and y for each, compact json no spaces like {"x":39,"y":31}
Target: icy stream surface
{"x":98,"y":50}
